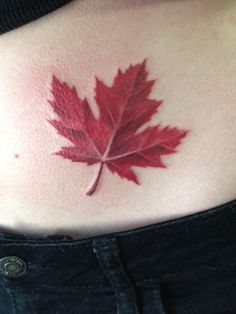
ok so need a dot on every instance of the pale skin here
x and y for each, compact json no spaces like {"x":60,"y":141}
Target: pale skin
{"x":191,"y":48}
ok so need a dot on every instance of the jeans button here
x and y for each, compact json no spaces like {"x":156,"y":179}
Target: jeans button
{"x":12,"y":266}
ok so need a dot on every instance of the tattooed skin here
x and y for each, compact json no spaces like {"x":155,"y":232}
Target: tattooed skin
{"x":113,"y":139}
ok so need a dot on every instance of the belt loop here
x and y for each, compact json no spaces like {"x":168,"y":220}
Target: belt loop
{"x":107,"y":252}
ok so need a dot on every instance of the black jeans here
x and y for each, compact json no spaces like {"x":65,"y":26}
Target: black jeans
{"x":185,"y":266}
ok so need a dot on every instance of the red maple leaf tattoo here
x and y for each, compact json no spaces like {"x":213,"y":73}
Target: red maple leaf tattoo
{"x":113,"y":139}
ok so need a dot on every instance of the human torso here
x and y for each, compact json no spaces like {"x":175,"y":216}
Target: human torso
{"x":190,"y":50}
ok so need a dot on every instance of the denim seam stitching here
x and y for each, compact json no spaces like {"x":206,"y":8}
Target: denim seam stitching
{"x":189,"y":271}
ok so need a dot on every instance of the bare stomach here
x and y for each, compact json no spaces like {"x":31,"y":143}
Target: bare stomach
{"x":41,"y":192}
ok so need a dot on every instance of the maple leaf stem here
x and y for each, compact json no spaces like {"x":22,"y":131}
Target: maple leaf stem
{"x":93,"y":185}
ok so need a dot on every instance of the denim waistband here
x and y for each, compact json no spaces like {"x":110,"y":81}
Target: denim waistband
{"x":146,"y":256}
